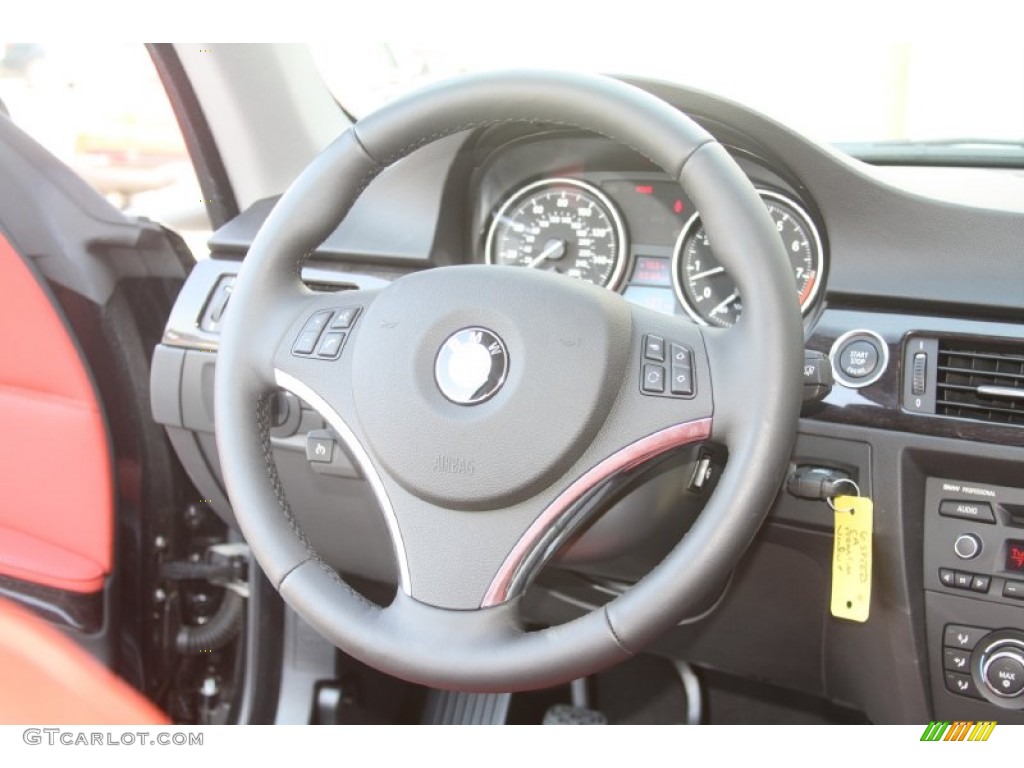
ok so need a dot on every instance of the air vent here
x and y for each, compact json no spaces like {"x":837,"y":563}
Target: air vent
{"x":213,"y":314}
{"x":982,"y":381}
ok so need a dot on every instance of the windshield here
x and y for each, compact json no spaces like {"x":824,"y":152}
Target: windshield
{"x":840,"y":92}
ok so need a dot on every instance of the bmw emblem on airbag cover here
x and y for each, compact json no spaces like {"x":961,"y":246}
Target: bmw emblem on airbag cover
{"x":471,"y":366}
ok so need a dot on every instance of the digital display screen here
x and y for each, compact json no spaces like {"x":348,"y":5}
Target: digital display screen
{"x":1015,"y":556}
{"x":651,"y":270}
{"x":659,"y":299}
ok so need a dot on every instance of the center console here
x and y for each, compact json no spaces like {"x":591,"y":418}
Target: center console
{"x":974,"y":582}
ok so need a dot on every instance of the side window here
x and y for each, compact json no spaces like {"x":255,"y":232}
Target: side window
{"x":102,"y":109}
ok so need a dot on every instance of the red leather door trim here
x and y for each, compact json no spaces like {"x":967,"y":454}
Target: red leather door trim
{"x":56,"y":505}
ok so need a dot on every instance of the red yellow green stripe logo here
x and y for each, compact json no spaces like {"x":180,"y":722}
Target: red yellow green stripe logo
{"x":959,"y":730}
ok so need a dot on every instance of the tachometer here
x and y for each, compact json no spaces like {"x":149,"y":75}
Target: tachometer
{"x":563,"y":225}
{"x":706,"y":291}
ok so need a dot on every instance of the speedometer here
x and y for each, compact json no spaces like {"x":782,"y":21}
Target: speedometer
{"x":706,"y":291}
{"x":562,"y":225}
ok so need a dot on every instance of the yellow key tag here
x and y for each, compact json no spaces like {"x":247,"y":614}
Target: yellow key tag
{"x":851,"y":558}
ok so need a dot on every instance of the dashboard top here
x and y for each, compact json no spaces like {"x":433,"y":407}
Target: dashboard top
{"x":931,"y":239}
{"x":901,"y":250}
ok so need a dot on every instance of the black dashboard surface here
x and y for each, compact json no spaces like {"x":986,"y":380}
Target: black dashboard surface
{"x":886,"y":242}
{"x":903,"y":264}
{"x":905,"y":261}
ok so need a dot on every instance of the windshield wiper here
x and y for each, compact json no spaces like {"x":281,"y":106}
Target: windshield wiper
{"x":960,"y":151}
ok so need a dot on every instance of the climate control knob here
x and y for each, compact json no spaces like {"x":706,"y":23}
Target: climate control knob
{"x":997,"y":666}
{"x":1004,"y":672}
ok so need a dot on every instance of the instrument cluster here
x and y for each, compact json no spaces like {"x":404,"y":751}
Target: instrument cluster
{"x":641,"y":235}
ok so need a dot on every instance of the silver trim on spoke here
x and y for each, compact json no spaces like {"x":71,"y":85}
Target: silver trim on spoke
{"x":513,"y":575}
{"x":346,"y":435}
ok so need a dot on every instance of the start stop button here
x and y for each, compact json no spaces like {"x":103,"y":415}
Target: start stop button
{"x":859,"y":358}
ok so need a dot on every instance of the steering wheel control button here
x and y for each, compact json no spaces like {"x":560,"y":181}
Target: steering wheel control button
{"x":471,"y":366}
{"x":702,"y":473}
{"x":310,"y":334}
{"x":681,"y":356}
{"x":654,"y":348}
{"x":330,"y":347}
{"x":306,"y":343}
{"x":1004,"y":673}
{"x":967,"y":546}
{"x":679,"y":372}
{"x":345,"y":317}
{"x":654,"y":378}
{"x":319,"y":449}
{"x":1013,"y":589}
{"x":962,"y":685}
{"x":962,"y":637}
{"x":859,"y":358}
{"x":979,"y":511}
{"x":318,"y":321}
{"x":682,"y":380}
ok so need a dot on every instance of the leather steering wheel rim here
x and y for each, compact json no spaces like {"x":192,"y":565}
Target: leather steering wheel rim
{"x":748,"y":380}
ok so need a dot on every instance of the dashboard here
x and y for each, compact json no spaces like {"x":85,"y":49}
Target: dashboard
{"x":911,"y":283}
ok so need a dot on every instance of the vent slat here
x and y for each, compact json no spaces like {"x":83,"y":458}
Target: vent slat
{"x":1010,"y":357}
{"x":975,"y":372}
{"x":963,"y":367}
{"x":981,"y":407}
{"x":963,"y":387}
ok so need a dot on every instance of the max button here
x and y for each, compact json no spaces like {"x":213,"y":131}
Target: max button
{"x":1005,"y":674}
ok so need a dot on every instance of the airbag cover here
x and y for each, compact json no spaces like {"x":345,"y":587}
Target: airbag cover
{"x":567,"y":342}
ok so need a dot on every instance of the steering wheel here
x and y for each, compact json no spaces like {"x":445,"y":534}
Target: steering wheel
{"x":491,"y":408}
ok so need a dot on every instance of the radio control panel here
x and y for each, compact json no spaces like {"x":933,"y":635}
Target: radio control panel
{"x":974,"y":540}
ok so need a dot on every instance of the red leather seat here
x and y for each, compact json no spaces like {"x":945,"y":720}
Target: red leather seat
{"x":45,"y":678}
{"x":56,"y":509}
